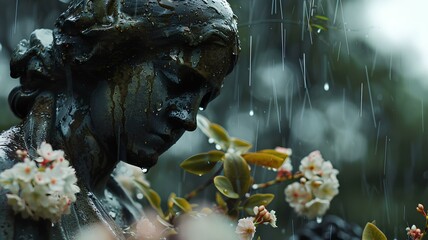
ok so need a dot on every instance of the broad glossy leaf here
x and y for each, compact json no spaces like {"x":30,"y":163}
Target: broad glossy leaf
{"x":274,"y":152}
{"x":224,"y":186}
{"x":202,"y":163}
{"x":182,"y":203}
{"x":151,"y":196}
{"x":371,"y":232}
{"x":214,"y":131}
{"x":257,"y":200}
{"x":239,"y":145}
{"x":263,"y":159}
{"x":321,"y":17}
{"x":237,"y":171}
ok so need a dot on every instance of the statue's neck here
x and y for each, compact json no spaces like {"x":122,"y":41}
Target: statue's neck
{"x":65,"y":123}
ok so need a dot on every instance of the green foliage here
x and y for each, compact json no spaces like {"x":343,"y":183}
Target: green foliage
{"x":224,"y":186}
{"x":264,"y":159}
{"x":237,"y":171}
{"x":202,"y":163}
{"x":151,"y":196}
{"x":371,"y":232}
{"x":214,"y":131}
{"x":182,"y":203}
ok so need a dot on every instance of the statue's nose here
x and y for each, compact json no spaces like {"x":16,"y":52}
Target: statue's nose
{"x":184,"y":118}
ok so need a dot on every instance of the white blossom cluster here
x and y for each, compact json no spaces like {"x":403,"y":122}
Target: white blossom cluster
{"x":311,"y":196}
{"x":41,"y":188}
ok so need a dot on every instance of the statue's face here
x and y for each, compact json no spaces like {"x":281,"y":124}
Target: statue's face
{"x":151,"y":100}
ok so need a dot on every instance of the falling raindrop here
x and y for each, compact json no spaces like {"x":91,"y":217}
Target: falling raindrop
{"x":201,"y":108}
{"x":140,"y":196}
{"x":251,"y":113}
{"x":1,"y":47}
{"x":319,"y":219}
{"x":255,"y":186}
{"x":218,"y":147}
{"x":326,"y":87}
{"x":145,"y":170}
{"x":247,"y":195}
{"x":53,"y":225}
{"x":210,"y":140}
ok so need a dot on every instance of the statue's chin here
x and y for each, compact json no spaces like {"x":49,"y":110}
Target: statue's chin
{"x":142,"y":159}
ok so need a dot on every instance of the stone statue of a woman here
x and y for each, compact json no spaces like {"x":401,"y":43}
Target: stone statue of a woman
{"x":114,"y":81}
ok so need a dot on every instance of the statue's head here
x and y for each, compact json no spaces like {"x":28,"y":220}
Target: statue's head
{"x":141,"y":68}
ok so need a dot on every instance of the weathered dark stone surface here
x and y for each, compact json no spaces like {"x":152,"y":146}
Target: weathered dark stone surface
{"x":114,"y":81}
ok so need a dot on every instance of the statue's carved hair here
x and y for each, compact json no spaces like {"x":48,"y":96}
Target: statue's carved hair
{"x":94,"y":33}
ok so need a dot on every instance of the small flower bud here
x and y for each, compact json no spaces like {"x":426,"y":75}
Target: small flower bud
{"x":420,"y":208}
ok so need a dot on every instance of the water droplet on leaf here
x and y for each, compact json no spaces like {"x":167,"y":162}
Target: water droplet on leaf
{"x":140,"y":196}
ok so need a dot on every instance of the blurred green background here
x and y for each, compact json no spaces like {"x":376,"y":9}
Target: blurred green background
{"x":353,"y":86}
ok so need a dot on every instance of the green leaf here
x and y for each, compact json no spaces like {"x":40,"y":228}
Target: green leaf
{"x":202,"y":163}
{"x":151,"y":196}
{"x":371,"y":232}
{"x":237,"y":171}
{"x":182,"y":203}
{"x":318,"y":26}
{"x":264,"y":159}
{"x":239,"y":145}
{"x":214,"y":131}
{"x":321,"y":17}
{"x":274,"y":152}
{"x":257,"y":200}
{"x":224,"y":186}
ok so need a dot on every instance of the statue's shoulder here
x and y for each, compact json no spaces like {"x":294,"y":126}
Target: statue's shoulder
{"x":10,"y":141}
{"x":7,"y":217}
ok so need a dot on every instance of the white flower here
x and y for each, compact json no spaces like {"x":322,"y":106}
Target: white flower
{"x":8,"y":181}
{"x":316,"y":208}
{"x":46,"y":152}
{"x":327,"y":190}
{"x":45,"y":191}
{"x":297,"y":194}
{"x":17,"y":203}
{"x":272,"y":221}
{"x":25,"y":171}
{"x":55,"y":179}
{"x":246,"y":228}
{"x":328,"y":172}
{"x":312,"y":164}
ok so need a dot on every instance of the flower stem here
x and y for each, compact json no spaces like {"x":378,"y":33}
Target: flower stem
{"x":277,"y":180}
{"x":204,"y":185}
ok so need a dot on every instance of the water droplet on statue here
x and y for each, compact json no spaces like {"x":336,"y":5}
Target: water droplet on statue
{"x":140,"y":196}
{"x":319,"y":219}
{"x":251,"y":113}
{"x":145,"y":170}
{"x":112,"y":214}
